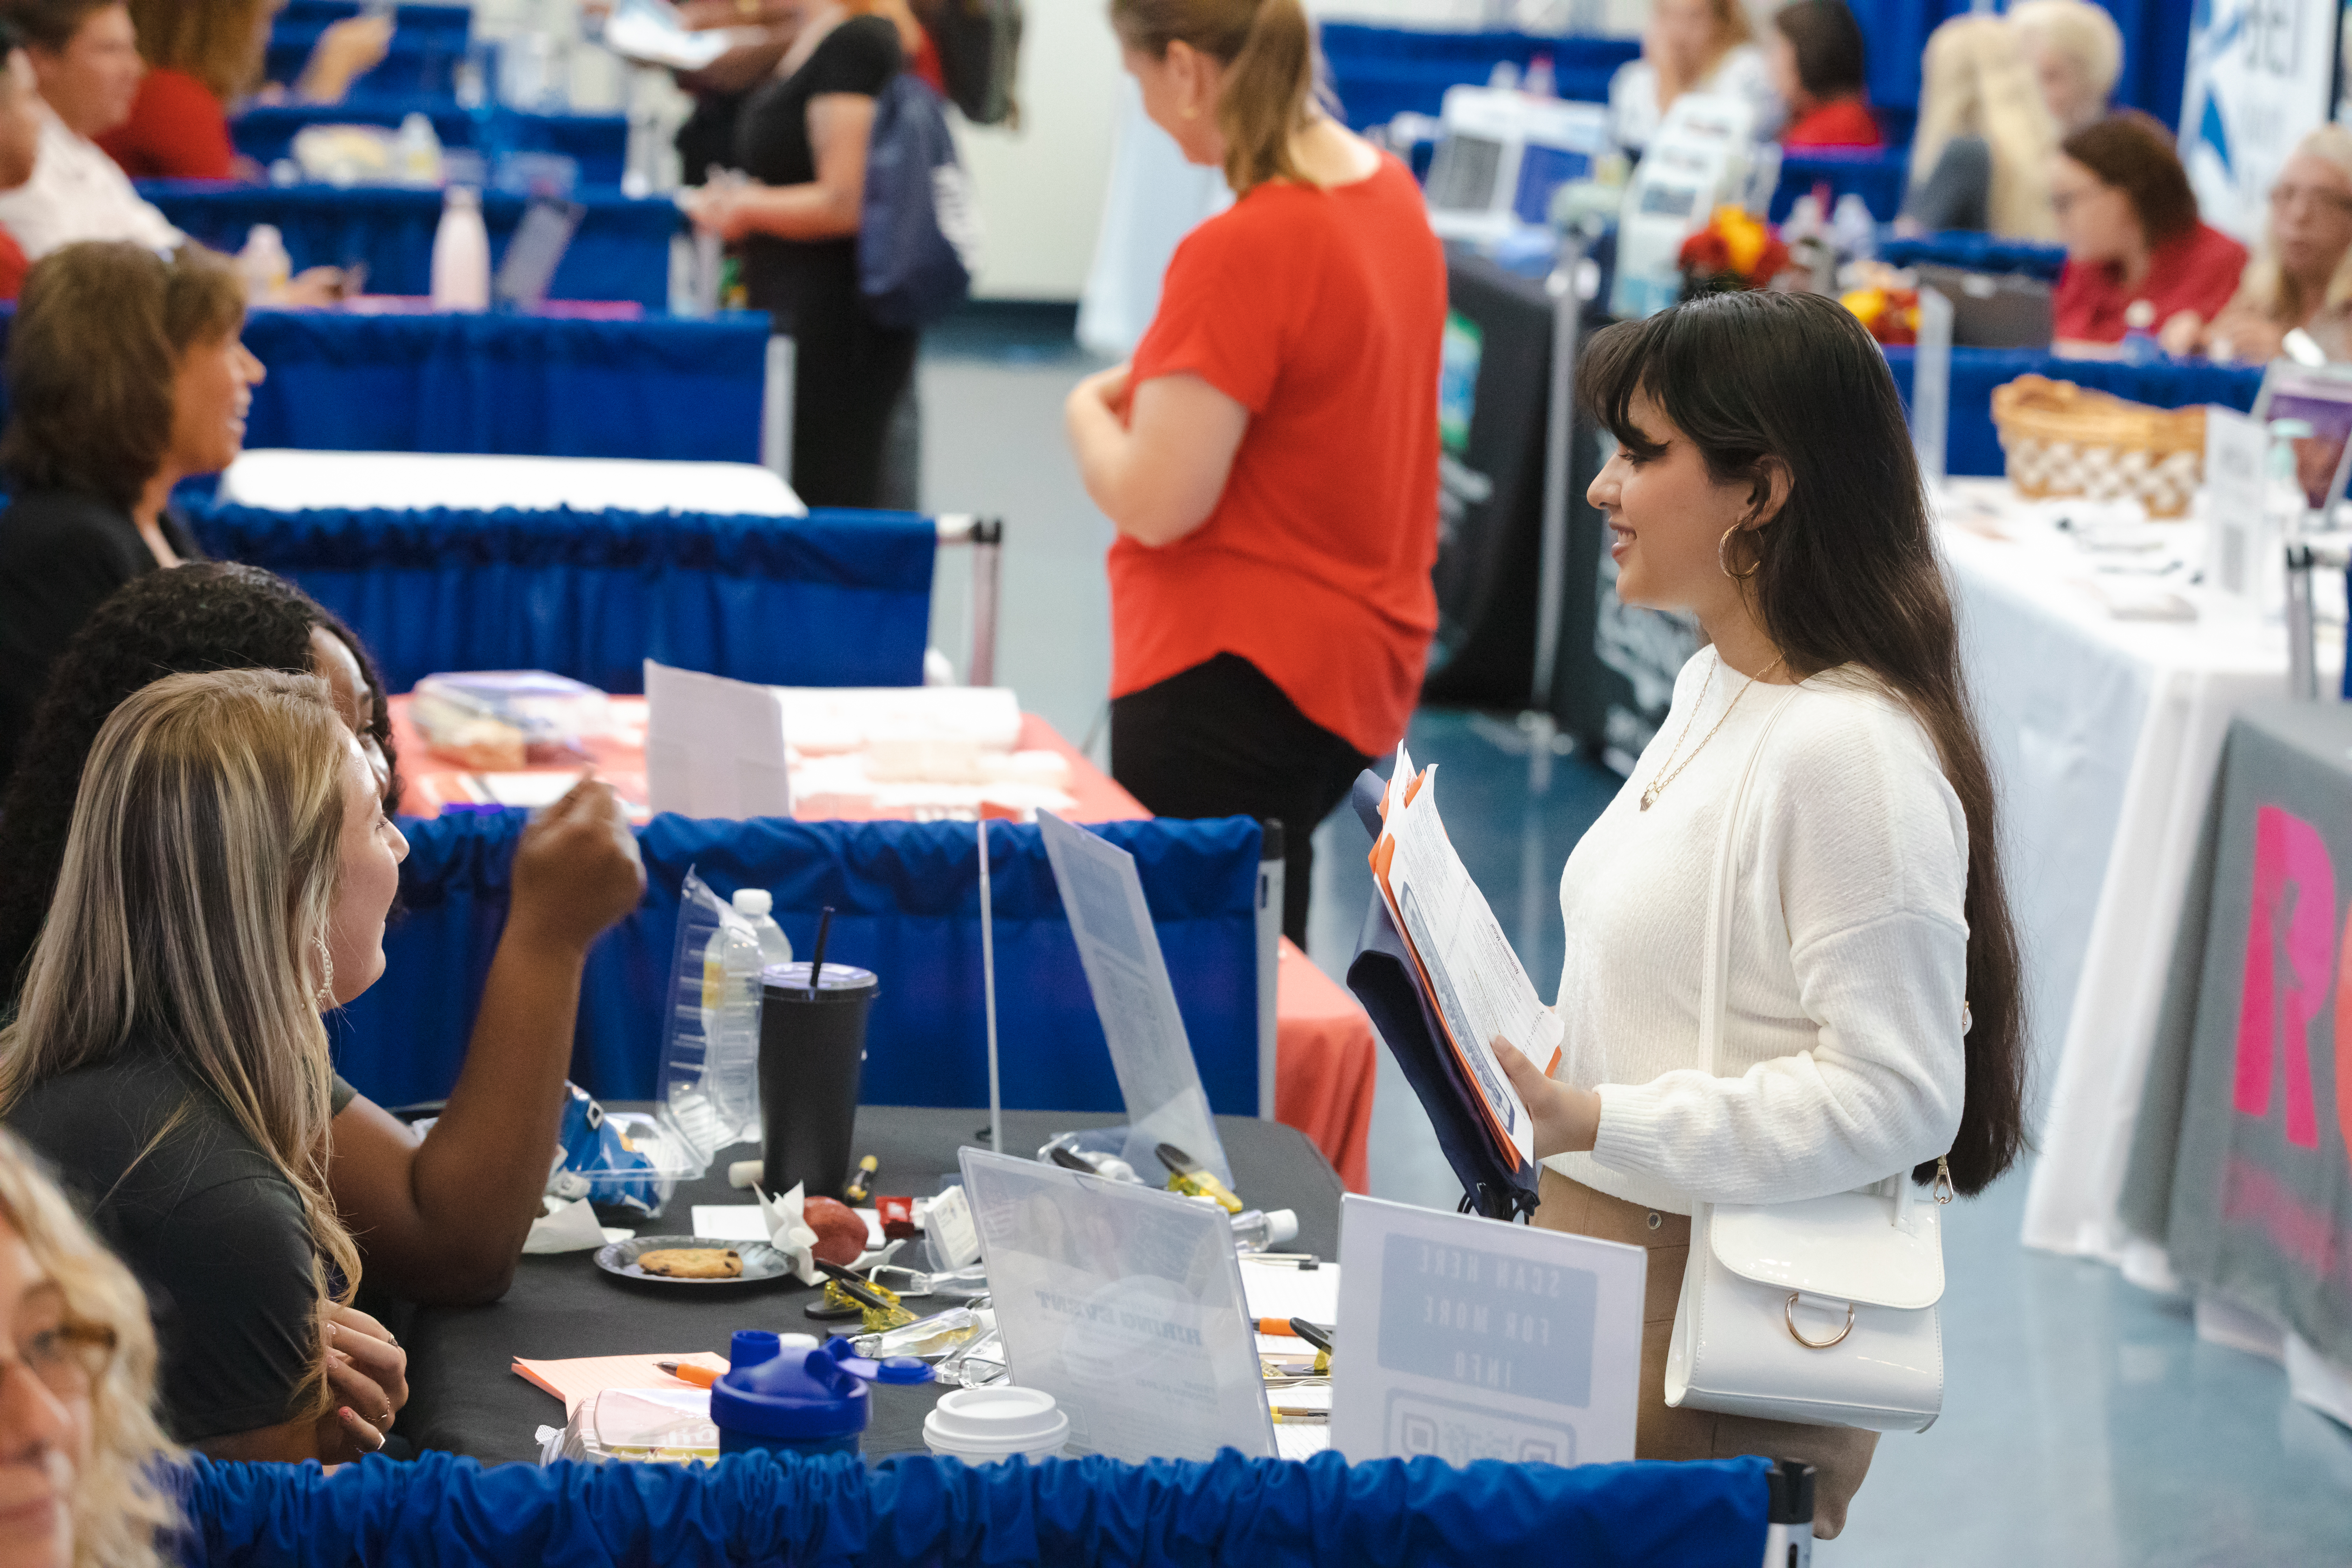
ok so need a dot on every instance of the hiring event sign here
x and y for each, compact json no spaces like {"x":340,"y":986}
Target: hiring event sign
{"x":2259,"y":76}
{"x":1471,"y":1339}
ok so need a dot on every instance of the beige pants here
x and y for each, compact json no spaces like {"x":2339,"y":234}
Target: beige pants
{"x":1840,"y":1454}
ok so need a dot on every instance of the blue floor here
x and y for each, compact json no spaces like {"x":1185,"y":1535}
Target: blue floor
{"x":2084,"y":1423}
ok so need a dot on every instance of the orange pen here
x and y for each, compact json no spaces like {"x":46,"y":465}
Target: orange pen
{"x":691,"y":1372}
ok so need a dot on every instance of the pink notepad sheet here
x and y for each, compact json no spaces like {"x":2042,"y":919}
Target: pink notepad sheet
{"x":574,"y":1380}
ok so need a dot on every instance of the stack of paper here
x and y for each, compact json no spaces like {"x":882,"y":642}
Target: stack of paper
{"x":1473,"y":979}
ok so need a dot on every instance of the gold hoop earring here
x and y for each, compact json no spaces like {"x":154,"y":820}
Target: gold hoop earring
{"x":1723,"y":544}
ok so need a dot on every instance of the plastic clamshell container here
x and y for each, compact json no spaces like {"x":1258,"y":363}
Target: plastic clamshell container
{"x":668,"y":1159}
{"x":501,"y":716}
{"x":983,"y":1425}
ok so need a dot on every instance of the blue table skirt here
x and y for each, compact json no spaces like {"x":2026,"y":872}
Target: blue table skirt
{"x":832,"y":1511}
{"x":837,"y":598}
{"x":421,"y":58}
{"x":1977,"y":253}
{"x":906,"y":902}
{"x":600,"y":142}
{"x":1877,"y":175}
{"x":1381,"y":72}
{"x":526,"y":386}
{"x":1971,"y":446}
{"x":621,"y":250}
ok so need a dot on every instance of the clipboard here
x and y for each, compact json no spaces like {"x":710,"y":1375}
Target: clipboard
{"x":1387,"y":980}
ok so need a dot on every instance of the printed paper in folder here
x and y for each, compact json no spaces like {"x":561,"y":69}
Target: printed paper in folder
{"x":1475,"y":981}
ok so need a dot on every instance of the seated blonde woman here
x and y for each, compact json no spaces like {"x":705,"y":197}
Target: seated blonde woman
{"x":225,"y":882}
{"x":1981,"y":159}
{"x":2300,"y":276}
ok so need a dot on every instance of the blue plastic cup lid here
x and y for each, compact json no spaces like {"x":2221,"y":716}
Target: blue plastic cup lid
{"x":798,"y":1395}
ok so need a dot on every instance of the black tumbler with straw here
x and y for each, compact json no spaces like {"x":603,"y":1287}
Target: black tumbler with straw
{"x":812,"y":1044}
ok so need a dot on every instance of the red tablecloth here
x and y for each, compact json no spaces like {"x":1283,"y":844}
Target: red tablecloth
{"x":1324,"y":1049}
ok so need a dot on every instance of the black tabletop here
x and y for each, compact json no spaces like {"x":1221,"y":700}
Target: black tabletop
{"x":465,"y":1397}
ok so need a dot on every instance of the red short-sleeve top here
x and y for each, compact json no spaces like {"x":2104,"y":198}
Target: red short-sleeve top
{"x":1841,"y":122}
{"x":177,"y":130}
{"x":1320,"y":311}
{"x":2195,"y":270}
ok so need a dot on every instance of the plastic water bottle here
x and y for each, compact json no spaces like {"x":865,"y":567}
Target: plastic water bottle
{"x":416,"y":150}
{"x":1852,"y":228}
{"x":263,"y":263}
{"x":731,"y":1028}
{"x":754,"y":904}
{"x":1540,"y":80}
{"x":461,"y":253}
{"x":2140,"y":346}
{"x":1257,"y":1232}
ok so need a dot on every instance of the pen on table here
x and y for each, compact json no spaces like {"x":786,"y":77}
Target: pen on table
{"x":1314,"y":1334}
{"x":690,"y":1372}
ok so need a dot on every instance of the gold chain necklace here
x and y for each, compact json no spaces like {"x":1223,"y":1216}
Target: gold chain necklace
{"x":1650,"y":795}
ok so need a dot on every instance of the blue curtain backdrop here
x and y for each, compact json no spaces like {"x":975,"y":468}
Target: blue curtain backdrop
{"x":528,"y":385}
{"x":621,"y":250}
{"x":1971,"y":446}
{"x":906,"y":898}
{"x":835,"y":598}
{"x":599,"y":143}
{"x":941,"y":1513}
{"x":1379,"y":71}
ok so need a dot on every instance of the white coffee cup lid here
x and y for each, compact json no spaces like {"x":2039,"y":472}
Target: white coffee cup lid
{"x":992,"y":1422}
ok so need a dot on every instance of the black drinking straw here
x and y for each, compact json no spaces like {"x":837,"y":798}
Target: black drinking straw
{"x":816,"y":961}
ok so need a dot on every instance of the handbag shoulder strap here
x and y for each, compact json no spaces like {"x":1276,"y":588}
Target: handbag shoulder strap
{"x":1715,"y":981}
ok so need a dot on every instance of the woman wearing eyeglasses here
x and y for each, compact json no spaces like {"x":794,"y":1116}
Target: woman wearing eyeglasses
{"x":2138,"y":255}
{"x":2301,"y":276}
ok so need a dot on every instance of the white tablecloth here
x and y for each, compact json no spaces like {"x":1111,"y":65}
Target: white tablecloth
{"x":409,"y":481}
{"x":2106,"y":735}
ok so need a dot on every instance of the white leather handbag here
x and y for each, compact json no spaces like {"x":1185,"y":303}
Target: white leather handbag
{"x":1822,"y":1312}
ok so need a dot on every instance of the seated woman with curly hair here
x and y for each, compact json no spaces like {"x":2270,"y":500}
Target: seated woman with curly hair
{"x":437,"y":1220}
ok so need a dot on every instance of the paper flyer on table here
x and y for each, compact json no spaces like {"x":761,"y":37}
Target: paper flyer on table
{"x":1469,"y":970}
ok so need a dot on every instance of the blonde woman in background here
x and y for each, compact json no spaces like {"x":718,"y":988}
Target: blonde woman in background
{"x":225,"y":882}
{"x":1981,"y":157}
{"x":78,"y":1445}
{"x":2077,"y":53}
{"x":1690,"y":46}
{"x":2301,"y":273}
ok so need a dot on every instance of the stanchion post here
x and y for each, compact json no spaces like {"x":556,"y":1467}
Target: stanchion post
{"x":2301,"y":659}
{"x":987,"y":994}
{"x":776,"y":409}
{"x":987,"y":566}
{"x":1789,"y":1517}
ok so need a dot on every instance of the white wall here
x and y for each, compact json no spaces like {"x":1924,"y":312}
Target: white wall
{"x":1041,"y":186}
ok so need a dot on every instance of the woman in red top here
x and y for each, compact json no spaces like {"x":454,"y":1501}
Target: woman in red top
{"x":1269,"y":457}
{"x":20,"y":143}
{"x":2136,"y":254}
{"x":204,"y":55}
{"x":1815,"y":56}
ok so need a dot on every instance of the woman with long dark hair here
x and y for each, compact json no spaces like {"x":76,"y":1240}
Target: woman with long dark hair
{"x":1764,"y":480}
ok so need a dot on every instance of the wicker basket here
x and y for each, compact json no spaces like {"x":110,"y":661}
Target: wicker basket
{"x":2062,"y":441}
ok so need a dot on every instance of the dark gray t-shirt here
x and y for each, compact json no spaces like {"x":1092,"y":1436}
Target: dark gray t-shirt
{"x":205,"y":1219}
{"x":1958,"y":191}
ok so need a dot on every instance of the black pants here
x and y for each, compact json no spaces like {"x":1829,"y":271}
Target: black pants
{"x":849,"y":375}
{"x":1222,"y":740}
